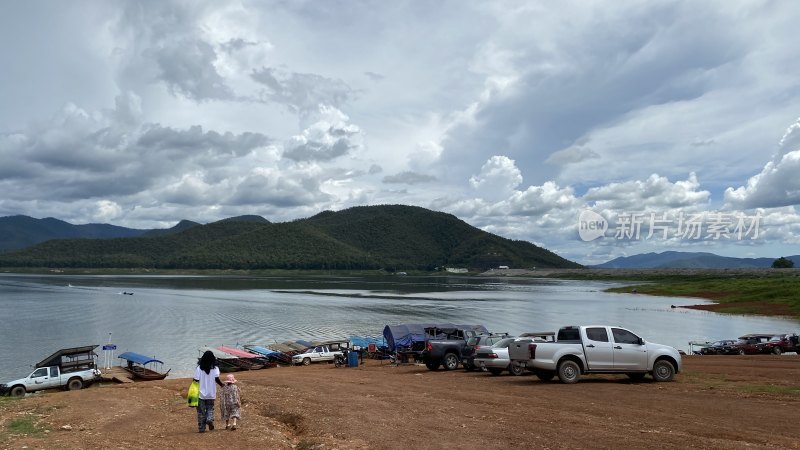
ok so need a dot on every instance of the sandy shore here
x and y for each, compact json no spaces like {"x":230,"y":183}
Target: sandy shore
{"x":718,"y":402}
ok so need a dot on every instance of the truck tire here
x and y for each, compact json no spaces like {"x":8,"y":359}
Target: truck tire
{"x":516,"y":369}
{"x":777,"y":350}
{"x":495,"y":371}
{"x":545,"y":375}
{"x":741,"y":351}
{"x":306,"y":361}
{"x":18,"y":391}
{"x":75,"y":384}
{"x":450,"y":361}
{"x":663,"y":370}
{"x":432,"y":366}
{"x":569,"y":371}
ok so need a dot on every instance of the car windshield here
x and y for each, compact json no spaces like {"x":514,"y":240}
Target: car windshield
{"x":776,"y":338}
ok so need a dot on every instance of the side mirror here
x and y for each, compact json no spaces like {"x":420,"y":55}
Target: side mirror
{"x":641,"y":341}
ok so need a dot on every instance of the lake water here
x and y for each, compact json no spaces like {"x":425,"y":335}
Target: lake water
{"x":169,"y":317}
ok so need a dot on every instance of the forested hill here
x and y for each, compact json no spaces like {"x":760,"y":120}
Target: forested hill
{"x":369,"y":237}
{"x":18,"y":232}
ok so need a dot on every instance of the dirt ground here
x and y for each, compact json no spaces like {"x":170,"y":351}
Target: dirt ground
{"x":717,"y":402}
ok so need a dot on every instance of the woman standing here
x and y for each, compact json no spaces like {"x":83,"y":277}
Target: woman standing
{"x":207,"y":376}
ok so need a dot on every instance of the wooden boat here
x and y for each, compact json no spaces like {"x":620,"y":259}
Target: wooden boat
{"x":143,"y":367}
{"x":227,"y":362}
{"x":255,"y":361}
{"x":273,"y":356}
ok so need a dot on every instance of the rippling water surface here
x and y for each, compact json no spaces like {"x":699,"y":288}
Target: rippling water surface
{"x":171,"y":316}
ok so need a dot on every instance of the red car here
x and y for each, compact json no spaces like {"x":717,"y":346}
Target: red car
{"x":752,"y":344}
{"x":782,"y":343}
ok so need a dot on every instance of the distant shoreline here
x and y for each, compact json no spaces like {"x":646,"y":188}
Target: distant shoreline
{"x":761,"y":291}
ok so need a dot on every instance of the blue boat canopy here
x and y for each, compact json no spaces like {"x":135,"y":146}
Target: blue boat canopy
{"x":261,"y":350}
{"x":137,"y":358}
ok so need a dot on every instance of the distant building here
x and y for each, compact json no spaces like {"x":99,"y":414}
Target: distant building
{"x":456,"y":270}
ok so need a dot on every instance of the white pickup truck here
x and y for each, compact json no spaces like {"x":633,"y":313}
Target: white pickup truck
{"x":50,"y":378}
{"x":323,"y":351}
{"x":596,"y":349}
{"x":69,"y":368}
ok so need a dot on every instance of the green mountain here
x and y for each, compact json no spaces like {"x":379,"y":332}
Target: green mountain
{"x":180,"y":226}
{"x":367,"y":237}
{"x":18,"y":232}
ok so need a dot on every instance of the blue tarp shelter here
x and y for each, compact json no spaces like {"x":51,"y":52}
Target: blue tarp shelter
{"x":364,"y":341}
{"x":405,"y":335}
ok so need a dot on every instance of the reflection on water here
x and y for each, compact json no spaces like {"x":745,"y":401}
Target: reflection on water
{"x":171,"y":316}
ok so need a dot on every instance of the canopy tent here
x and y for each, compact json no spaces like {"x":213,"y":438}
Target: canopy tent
{"x":139,"y":358}
{"x":404,"y":335}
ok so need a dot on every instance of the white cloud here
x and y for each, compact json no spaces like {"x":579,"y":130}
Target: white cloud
{"x":778,"y":183}
{"x":203,"y":110}
{"x":654,"y":192}
{"x":330,"y":137}
{"x":498,"y":177}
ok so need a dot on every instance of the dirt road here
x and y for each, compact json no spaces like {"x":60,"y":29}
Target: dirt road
{"x":717,"y":402}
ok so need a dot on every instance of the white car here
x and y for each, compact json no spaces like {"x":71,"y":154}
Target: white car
{"x":495,"y":359}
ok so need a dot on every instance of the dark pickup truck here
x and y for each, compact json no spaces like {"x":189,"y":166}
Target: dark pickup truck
{"x":446,"y":345}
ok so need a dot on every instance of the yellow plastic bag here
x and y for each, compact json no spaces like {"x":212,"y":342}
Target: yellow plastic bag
{"x":193,"y":396}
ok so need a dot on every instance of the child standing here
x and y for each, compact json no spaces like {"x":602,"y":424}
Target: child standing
{"x":231,"y":402}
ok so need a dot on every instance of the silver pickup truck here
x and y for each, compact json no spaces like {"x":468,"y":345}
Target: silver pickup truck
{"x":596,"y":349}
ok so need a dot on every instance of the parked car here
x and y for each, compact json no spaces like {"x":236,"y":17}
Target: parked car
{"x":495,"y":359}
{"x":475,"y":343}
{"x":753,"y":344}
{"x":782,"y":343}
{"x":723,"y":347}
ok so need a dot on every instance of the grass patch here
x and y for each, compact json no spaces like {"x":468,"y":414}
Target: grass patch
{"x":770,"y":389}
{"x":25,"y":425}
{"x":773,"y":293}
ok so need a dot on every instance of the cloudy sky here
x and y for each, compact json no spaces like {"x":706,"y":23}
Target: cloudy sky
{"x":514,"y":116}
